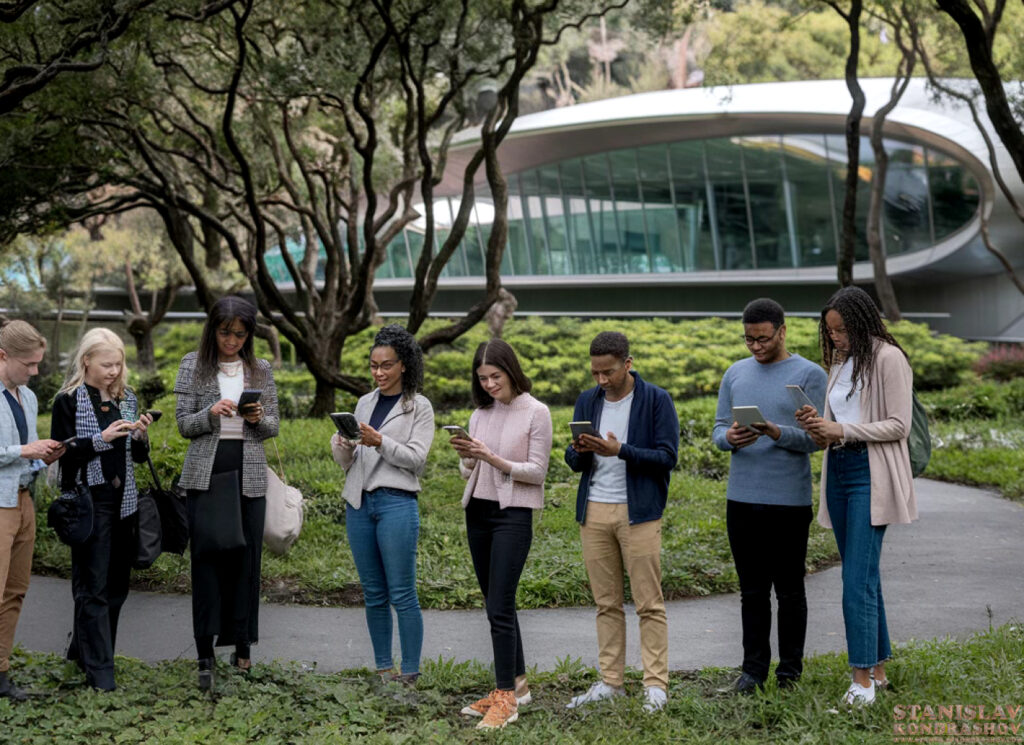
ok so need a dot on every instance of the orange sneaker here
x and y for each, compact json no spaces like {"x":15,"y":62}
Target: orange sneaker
{"x":504,"y":710}
{"x":479,"y":708}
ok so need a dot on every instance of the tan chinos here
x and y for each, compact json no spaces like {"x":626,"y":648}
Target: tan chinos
{"x":610,"y":544}
{"x":17,"y":541}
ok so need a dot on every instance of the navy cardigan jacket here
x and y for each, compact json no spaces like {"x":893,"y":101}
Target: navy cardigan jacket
{"x":650,"y":454}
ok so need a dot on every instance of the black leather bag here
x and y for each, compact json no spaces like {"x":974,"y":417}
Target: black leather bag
{"x":173,"y":511}
{"x":217,"y":522}
{"x":71,"y":518}
{"x":149,"y":533}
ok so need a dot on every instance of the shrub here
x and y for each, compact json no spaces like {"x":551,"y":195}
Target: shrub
{"x":1001,"y":362}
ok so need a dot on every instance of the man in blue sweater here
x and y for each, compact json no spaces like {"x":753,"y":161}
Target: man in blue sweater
{"x":621,"y":496}
{"x":768,"y":512}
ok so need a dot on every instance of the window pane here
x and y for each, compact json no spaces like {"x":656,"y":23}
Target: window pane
{"x":766,"y":185}
{"x":595,"y":175}
{"x":574,"y":207}
{"x":692,"y":213}
{"x":905,"y":197}
{"x":662,"y":226}
{"x":630,"y":211}
{"x":723,"y":163}
{"x":954,"y":193}
{"x":807,"y":171}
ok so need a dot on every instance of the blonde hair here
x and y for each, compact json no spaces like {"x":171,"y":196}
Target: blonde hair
{"x":96,"y":340}
{"x":20,"y":337}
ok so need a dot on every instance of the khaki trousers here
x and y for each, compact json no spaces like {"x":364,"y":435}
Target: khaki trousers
{"x":609,"y":543}
{"x":17,"y":540}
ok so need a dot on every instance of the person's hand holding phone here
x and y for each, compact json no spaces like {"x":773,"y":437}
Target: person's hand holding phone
{"x":740,"y":436}
{"x":42,"y":449}
{"x":370,"y":437}
{"x":141,"y":426}
{"x":252,"y":413}
{"x":608,"y":447}
{"x":117,"y":429}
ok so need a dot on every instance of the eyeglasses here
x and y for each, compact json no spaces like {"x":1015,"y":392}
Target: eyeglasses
{"x":227,"y":333}
{"x":383,"y":366}
{"x":762,"y":340}
{"x":27,"y":365}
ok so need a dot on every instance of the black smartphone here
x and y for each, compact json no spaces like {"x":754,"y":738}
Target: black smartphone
{"x":347,"y":425}
{"x":70,"y":442}
{"x":155,"y":414}
{"x":249,"y":397}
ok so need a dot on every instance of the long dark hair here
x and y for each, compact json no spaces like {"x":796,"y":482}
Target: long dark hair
{"x":499,"y":353}
{"x":863,"y":325}
{"x":223,"y":312}
{"x":409,"y":353}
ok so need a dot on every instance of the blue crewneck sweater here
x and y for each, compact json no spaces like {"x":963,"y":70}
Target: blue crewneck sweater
{"x":770,"y":471}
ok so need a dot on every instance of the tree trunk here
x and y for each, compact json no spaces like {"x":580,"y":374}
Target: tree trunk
{"x":883,"y":285}
{"x":848,"y":244}
{"x":269,"y":333}
{"x":324,"y":400}
{"x":145,"y":358}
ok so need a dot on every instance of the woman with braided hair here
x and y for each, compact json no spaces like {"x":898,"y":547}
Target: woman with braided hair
{"x":866,"y":480}
{"x":382,"y":478}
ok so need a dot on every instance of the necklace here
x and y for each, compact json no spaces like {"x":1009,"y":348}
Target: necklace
{"x":231,"y":369}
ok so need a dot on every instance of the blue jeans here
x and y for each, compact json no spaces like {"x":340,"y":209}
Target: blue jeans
{"x":848,"y":495}
{"x":383,"y":535}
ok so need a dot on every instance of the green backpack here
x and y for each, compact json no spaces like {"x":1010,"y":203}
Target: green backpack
{"x":920,"y":442}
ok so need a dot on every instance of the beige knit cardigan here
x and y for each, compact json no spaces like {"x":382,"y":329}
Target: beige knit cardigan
{"x":886,"y":403}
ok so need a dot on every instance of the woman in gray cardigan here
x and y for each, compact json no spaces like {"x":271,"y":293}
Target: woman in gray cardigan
{"x":225,"y":460}
{"x":866,"y":480}
{"x":382,"y":478}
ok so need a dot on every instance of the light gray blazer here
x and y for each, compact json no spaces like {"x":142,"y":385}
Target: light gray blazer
{"x":197,"y":424}
{"x":406,"y":436}
{"x":12,"y":465}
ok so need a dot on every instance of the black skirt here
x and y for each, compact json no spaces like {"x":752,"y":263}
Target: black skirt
{"x":226,"y":584}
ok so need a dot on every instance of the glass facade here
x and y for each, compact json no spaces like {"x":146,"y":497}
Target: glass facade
{"x":754,"y":202}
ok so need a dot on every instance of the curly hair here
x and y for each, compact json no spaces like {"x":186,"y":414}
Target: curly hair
{"x":409,"y":353}
{"x":863,"y":325}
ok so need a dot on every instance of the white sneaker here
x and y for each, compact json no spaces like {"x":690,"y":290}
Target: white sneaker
{"x":858,"y":695}
{"x":600,"y":691}
{"x":655,"y":699}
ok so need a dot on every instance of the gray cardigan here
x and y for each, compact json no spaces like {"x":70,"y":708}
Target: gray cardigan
{"x":203,"y":429}
{"x":399,"y":461}
{"x":14,"y":469}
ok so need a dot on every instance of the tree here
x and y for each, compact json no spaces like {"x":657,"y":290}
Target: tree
{"x":320,"y":131}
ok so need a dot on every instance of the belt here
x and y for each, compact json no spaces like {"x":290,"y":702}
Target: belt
{"x":850,"y":447}
{"x":24,"y":490}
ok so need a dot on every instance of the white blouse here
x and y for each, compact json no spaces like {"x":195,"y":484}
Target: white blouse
{"x":231,"y":380}
{"x":845,"y":410}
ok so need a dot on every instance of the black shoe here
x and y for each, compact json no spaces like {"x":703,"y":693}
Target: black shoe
{"x":206,"y":674}
{"x":9,"y":690}
{"x":786,"y":682}
{"x":746,"y":684}
{"x":408,"y":679}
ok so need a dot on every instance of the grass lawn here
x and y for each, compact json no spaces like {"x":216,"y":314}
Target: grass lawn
{"x":285,"y":704}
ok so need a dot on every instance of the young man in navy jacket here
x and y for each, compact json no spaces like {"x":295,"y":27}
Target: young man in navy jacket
{"x":622,"y":494}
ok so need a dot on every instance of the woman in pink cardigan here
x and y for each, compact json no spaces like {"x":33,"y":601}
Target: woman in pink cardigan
{"x":866,"y":481}
{"x":505,"y":462}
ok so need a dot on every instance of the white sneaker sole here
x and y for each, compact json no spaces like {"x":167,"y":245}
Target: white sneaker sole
{"x":526,"y":700}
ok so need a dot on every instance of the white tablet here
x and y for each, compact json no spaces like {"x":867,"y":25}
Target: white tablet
{"x":747,"y":415}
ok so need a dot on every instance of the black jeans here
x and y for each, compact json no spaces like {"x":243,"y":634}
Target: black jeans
{"x":100,"y":570}
{"x":769,"y":546}
{"x":499,"y":542}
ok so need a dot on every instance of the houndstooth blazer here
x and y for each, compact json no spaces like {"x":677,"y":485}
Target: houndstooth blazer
{"x":203,"y":430}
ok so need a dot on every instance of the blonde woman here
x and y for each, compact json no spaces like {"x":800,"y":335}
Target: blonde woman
{"x":21,"y":350}
{"x":98,"y":417}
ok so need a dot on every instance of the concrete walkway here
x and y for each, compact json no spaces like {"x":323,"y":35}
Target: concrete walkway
{"x":951,"y":573}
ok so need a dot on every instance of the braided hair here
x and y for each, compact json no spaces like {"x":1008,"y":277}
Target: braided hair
{"x":863,"y":325}
{"x":409,"y":353}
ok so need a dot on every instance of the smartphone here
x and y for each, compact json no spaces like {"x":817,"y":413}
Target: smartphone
{"x":454,"y":430}
{"x":249,"y":397}
{"x":155,"y":414}
{"x":583,"y":428}
{"x":70,"y":442}
{"x":347,"y":425}
{"x":746,"y":416}
{"x":800,"y":399}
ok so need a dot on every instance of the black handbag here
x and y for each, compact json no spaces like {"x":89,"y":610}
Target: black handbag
{"x":217,"y":515}
{"x":71,"y":517}
{"x":148,"y":529}
{"x":173,"y":510}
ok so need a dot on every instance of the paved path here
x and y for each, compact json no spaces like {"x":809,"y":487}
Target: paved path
{"x":942,"y":576}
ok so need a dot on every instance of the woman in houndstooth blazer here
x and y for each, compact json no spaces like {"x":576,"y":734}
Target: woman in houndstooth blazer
{"x":226,"y":584}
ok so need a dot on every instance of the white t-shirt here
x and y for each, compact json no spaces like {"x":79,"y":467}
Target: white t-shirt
{"x":846,"y":410}
{"x":608,"y":480}
{"x":231,"y":380}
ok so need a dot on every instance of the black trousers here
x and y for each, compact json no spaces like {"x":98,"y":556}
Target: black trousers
{"x":499,"y":542}
{"x":226,"y":584}
{"x":100,"y":571}
{"x":769,"y":546}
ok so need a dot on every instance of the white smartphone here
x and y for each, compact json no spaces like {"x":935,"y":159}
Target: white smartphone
{"x":454,"y":430}
{"x":746,"y":416}
{"x":800,"y":399}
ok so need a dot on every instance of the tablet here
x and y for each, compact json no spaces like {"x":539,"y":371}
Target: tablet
{"x":800,"y":399}
{"x":583,"y":428}
{"x":747,"y":415}
{"x":347,"y":425}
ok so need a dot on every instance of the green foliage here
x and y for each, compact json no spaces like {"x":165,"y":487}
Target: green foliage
{"x":159,"y":704}
{"x":1001,"y":362}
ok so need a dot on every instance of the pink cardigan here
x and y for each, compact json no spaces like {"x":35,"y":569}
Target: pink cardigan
{"x":886,"y":403}
{"x":519,"y":432}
